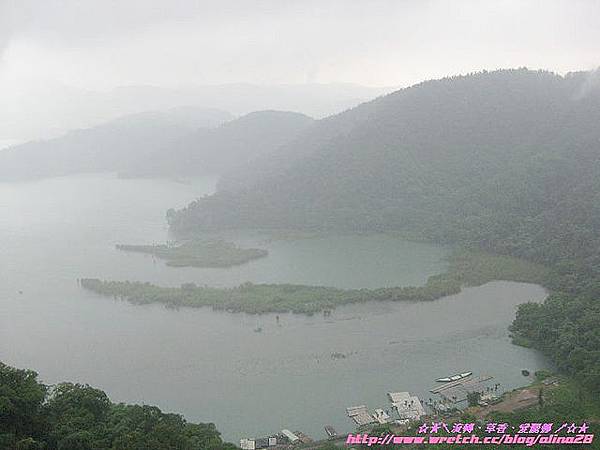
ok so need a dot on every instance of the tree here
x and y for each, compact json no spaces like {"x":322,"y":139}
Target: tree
{"x":80,"y":440}
{"x":473,"y":398}
{"x":21,"y":397}
{"x":80,"y":417}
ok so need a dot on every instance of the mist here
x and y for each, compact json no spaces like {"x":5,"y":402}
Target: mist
{"x":282,"y":224}
{"x":63,"y":62}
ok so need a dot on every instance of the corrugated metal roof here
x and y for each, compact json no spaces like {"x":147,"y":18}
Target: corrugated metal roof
{"x":291,"y":436}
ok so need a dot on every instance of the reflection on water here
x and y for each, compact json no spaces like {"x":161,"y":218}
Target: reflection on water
{"x":212,"y":366}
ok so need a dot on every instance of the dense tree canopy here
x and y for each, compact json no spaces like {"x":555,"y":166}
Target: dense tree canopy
{"x":79,"y":417}
{"x":568,"y":329}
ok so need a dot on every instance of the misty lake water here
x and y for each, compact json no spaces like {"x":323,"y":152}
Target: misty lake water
{"x":212,"y":366}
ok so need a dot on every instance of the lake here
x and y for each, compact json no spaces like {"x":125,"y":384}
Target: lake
{"x":212,"y":366}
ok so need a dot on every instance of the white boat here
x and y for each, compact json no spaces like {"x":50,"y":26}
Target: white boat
{"x":456,"y":377}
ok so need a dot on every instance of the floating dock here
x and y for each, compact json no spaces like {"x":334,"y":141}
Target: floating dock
{"x":407,"y":406}
{"x":381,"y":416}
{"x":469,"y":379}
{"x":360,"y":415}
{"x":457,"y":391}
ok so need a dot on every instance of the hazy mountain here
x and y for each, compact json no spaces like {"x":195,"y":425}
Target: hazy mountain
{"x":51,"y":109}
{"x":116,"y":146}
{"x":505,"y":159}
{"x":227,"y":147}
{"x":260,"y":168}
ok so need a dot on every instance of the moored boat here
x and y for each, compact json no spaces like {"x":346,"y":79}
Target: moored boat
{"x":456,"y":377}
{"x":331,"y":433}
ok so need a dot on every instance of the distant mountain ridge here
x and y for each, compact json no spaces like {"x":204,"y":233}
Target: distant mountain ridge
{"x":225,"y":148}
{"x":118,"y":145}
{"x":48,"y":110}
{"x":180,"y":142}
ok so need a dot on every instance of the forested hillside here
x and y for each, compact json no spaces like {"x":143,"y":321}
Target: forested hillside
{"x":507,"y":161}
{"x":226,"y":148}
{"x":441,"y":154}
{"x":77,"y":417}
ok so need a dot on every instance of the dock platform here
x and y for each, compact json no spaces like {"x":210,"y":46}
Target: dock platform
{"x":458,"y":391}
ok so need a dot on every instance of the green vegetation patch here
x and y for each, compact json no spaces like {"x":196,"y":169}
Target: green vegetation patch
{"x":70,"y":416}
{"x":474,"y":268}
{"x":214,"y":253}
{"x":466,"y":269}
{"x":567,"y":330}
{"x":569,"y":402}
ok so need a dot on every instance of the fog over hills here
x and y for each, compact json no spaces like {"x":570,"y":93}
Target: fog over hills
{"x":482,"y":157}
{"x":253,"y":215}
{"x":118,"y":145}
{"x":179,"y":142}
{"x":230,"y":146}
{"x":67,"y":107}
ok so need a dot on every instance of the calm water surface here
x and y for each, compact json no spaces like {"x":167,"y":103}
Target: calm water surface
{"x":212,"y":366}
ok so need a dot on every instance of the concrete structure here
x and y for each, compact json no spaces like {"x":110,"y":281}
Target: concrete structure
{"x":261,"y":443}
{"x":258,"y":443}
{"x":247,"y":444}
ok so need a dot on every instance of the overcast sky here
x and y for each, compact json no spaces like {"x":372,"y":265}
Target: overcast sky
{"x":105,"y":43}
{"x":52,"y":48}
